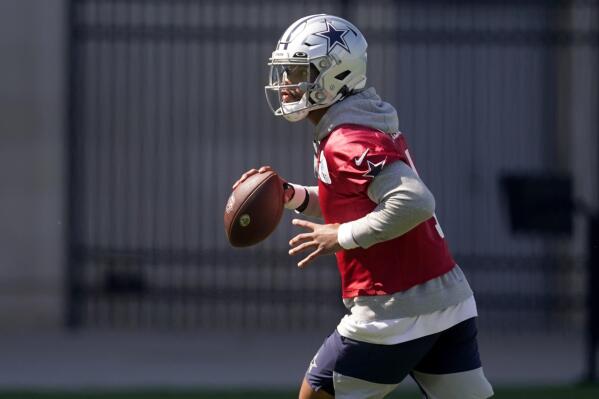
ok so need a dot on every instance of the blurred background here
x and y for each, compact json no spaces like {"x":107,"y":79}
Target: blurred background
{"x":125,"y":122}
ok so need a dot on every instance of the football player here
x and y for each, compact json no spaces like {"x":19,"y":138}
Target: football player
{"x":410,"y":308}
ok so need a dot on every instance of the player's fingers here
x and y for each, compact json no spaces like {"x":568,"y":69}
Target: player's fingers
{"x":300,"y":238}
{"x":302,"y":247}
{"x":251,"y":172}
{"x":247,"y":174}
{"x":244,"y":177}
{"x":265,"y":168}
{"x":240,"y":180}
{"x":304,"y":223}
{"x":308,"y":259}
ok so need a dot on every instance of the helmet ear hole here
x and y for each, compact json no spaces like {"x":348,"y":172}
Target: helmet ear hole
{"x":342,"y":75}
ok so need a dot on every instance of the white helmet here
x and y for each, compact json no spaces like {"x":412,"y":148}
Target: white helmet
{"x":318,"y":61}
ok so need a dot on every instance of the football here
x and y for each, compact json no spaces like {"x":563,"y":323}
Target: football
{"x":254,"y":209}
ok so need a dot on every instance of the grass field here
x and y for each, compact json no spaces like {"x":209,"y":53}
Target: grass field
{"x":574,"y":392}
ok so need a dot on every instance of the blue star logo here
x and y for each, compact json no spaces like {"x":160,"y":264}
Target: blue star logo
{"x":374,"y":168}
{"x":334,"y":37}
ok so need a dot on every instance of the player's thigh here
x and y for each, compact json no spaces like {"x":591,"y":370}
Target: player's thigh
{"x":350,"y":369}
{"x":346,"y":388}
{"x":471,"y":384}
{"x":452,"y":368}
{"x":307,"y":392}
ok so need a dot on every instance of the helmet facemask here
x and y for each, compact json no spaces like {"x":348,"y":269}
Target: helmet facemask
{"x":292,"y":91}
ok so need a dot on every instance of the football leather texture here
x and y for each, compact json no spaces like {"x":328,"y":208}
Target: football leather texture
{"x":254,"y":209}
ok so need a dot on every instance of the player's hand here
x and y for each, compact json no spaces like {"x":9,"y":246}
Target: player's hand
{"x":322,"y":240}
{"x":289,"y":191}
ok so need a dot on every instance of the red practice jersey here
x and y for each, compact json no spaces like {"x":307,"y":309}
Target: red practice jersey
{"x":347,"y":161}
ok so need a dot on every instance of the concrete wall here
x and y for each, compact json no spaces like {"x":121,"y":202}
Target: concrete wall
{"x":32,"y":40}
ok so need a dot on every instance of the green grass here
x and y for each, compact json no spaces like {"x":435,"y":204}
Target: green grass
{"x":565,"y":392}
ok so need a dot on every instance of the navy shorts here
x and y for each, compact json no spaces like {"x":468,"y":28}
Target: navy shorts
{"x":454,"y":350}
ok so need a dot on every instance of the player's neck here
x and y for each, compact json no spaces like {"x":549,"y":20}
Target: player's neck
{"x":316,"y":115}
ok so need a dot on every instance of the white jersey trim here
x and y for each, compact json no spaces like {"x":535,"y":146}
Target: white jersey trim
{"x":396,"y":331}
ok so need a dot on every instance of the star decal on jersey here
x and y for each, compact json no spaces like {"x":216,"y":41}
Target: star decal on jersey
{"x":374,"y":168}
{"x":334,"y":37}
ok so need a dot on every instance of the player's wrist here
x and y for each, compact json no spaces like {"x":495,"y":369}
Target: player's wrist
{"x":298,"y":198}
{"x":288,"y":192}
{"x":345,"y":236}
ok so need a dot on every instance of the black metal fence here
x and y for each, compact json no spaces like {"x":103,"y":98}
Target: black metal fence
{"x":167,"y":110}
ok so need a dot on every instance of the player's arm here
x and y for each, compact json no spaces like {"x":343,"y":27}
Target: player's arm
{"x":304,"y":200}
{"x":403,"y":202}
